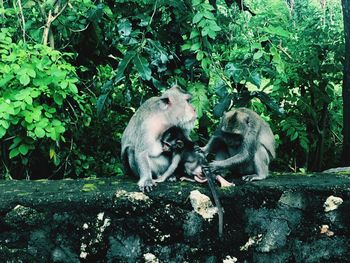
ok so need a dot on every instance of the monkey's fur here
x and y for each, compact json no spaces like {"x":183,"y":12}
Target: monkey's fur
{"x":184,"y":158}
{"x":142,"y":151}
{"x":243,"y":143}
{"x":188,"y":158}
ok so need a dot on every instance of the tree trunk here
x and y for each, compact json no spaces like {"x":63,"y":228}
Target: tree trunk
{"x":346,"y":86}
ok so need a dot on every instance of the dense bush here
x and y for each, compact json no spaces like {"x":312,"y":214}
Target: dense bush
{"x":65,"y":107}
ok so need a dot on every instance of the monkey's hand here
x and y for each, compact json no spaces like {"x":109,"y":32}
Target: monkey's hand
{"x":215,"y":166}
{"x":200,"y":150}
{"x":253,"y":177}
{"x":146,"y":185}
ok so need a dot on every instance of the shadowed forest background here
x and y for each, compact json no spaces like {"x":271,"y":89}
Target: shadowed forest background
{"x":73,"y":72}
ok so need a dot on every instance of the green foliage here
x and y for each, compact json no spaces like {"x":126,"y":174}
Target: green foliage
{"x":68,"y":110}
{"x":39,"y":99}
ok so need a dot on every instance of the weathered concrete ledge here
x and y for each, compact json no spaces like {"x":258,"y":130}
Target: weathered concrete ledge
{"x":281,"y":219}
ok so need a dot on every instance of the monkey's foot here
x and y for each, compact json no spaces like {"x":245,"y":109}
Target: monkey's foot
{"x":159,"y":179}
{"x":223,"y":182}
{"x":252,"y":177}
{"x":200,"y":179}
{"x":146,"y":185}
{"x":184,"y":178}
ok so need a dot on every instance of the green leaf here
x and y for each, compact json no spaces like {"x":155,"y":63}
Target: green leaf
{"x":58,"y":98}
{"x":28,"y":116}
{"x":56,"y":122}
{"x":196,"y":46}
{"x":194,"y":33}
{"x":200,"y":55}
{"x":4,"y":124}
{"x":186,"y":46}
{"x":24,"y":79}
{"x":124,"y":28}
{"x":142,"y":67}
{"x":295,"y":135}
{"x":279,"y":31}
{"x":28,"y":100}
{"x":13,"y":153}
{"x":64,"y":84}
{"x":255,"y":79}
{"x":39,"y":132}
{"x":214,"y":27}
{"x":199,"y":99}
{"x":2,"y":132}
{"x":5,"y":79}
{"x":124,"y":63}
{"x":212,"y":34}
{"x":197,"y":18}
{"x":258,"y":55}
{"x":196,"y":2}
{"x":53,"y":135}
{"x":208,"y":15}
{"x":31,"y":72}
{"x":23,"y":149}
{"x":52,"y":153}
{"x":73,"y":88}
{"x":60,"y":129}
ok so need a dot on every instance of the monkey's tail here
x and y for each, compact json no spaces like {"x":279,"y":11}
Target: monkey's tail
{"x":209,"y":175}
{"x":126,"y":161}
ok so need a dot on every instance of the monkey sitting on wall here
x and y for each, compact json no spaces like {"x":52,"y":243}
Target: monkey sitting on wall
{"x":243,"y":143}
{"x":142,"y":151}
{"x":185,"y":158}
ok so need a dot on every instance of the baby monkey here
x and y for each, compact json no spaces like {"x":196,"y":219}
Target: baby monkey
{"x":189,"y":159}
{"x":185,"y":157}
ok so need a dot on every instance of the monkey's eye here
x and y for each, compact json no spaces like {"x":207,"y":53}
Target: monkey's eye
{"x":188,"y":99}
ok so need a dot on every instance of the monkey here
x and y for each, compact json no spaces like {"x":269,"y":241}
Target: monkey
{"x":141,"y":148}
{"x":184,"y":158}
{"x":187,"y":158}
{"x":243,"y":143}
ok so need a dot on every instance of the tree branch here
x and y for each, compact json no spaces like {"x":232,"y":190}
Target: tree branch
{"x":22,"y":19}
{"x":50,"y":19}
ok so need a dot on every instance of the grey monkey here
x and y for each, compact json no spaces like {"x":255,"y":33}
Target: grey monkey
{"x":142,"y":151}
{"x":242,"y":143}
{"x":184,"y":158}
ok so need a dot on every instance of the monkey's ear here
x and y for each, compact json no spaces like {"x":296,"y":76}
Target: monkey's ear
{"x":180,"y":144}
{"x":165,"y":102}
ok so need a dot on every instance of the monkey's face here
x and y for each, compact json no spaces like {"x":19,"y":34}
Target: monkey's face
{"x":235,"y":123}
{"x":178,"y":109}
{"x":193,"y":166}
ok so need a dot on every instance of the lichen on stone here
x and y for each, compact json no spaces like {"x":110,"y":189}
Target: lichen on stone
{"x":332,"y":203}
{"x":202,"y":205}
{"x":230,"y":259}
{"x":150,"y":258}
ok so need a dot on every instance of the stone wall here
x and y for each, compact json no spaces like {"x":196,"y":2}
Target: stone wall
{"x":287,"y":218}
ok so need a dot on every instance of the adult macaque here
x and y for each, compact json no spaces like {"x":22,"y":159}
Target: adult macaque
{"x":142,"y":150}
{"x":243,"y":143}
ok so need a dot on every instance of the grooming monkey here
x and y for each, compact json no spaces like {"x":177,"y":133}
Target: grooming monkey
{"x":243,"y":143}
{"x":142,"y":150}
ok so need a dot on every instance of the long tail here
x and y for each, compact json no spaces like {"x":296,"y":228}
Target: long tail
{"x":209,"y":175}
